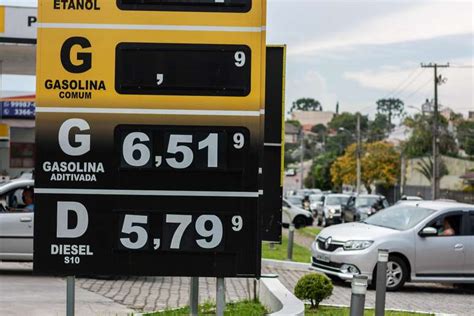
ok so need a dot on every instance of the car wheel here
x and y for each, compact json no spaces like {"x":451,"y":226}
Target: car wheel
{"x":324,"y":222}
{"x":397,"y":273}
{"x":319,"y":222}
{"x":299,"y":222}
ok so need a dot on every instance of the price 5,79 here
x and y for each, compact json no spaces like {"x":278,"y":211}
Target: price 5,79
{"x":179,"y":232}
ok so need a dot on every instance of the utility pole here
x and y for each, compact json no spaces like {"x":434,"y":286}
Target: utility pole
{"x":358,"y":152}
{"x":301,"y":158}
{"x":438,"y":80}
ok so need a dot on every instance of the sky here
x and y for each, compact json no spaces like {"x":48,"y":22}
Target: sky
{"x":356,"y":52}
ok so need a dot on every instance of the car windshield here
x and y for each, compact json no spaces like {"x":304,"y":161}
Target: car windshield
{"x":365,"y":201}
{"x":315,"y":197}
{"x":336,"y":200}
{"x":399,"y":217}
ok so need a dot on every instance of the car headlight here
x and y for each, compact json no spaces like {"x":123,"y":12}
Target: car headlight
{"x":357,"y":244}
{"x":332,"y":211}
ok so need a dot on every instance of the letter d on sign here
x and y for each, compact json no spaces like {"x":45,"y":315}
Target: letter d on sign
{"x":63,"y":230}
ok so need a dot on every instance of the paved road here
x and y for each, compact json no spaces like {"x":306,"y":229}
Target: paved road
{"x":155,"y":293}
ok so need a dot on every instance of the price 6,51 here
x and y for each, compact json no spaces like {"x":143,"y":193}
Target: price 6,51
{"x":183,"y":150}
{"x":208,"y":227}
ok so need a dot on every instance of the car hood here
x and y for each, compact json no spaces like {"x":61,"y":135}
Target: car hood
{"x":356,"y":231}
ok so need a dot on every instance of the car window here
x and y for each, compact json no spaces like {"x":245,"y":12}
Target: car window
{"x":471,"y":224}
{"x":336,"y":200}
{"x":399,"y":217}
{"x":12,"y":201}
{"x":448,"y":224}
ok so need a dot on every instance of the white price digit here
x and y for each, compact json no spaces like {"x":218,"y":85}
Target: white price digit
{"x":239,"y":59}
{"x":174,"y":148}
{"x":211,"y":144}
{"x":131,"y":146}
{"x":129,"y":228}
{"x":215,"y":231}
{"x":239,"y":140}
{"x":237,"y":223}
{"x":183,"y":221}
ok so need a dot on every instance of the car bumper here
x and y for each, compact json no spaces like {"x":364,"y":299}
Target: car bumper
{"x":338,"y":261}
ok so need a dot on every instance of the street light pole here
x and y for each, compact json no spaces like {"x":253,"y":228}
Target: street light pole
{"x":358,"y":154}
{"x":435,"y":177}
{"x":301,"y":158}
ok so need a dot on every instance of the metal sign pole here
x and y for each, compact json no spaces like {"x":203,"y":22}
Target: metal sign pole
{"x":359,"y":289}
{"x":220,"y":297}
{"x":194,"y":296}
{"x":381,"y":284}
{"x":70,"y":295}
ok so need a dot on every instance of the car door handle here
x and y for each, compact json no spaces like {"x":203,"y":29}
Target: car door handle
{"x":458,"y":247}
{"x":25,"y":219}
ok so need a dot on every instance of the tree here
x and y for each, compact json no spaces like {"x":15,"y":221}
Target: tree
{"x":425,"y":167}
{"x":419,"y":144}
{"x":380,"y":163}
{"x":348,"y":121}
{"x":392,"y":107}
{"x":466,"y":136}
{"x":378,"y":128}
{"x":306,"y":104}
{"x":321,"y":132}
{"x":320,"y":172}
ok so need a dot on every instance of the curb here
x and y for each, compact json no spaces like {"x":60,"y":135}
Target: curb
{"x":395,"y":310}
{"x":286,"y":264}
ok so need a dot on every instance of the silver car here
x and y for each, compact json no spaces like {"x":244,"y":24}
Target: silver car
{"x":16,"y":223}
{"x":428,"y":241}
{"x":330,"y":211}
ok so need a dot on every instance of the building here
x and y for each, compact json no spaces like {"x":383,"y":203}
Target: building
{"x":17,"y":108}
{"x":308,"y":119}
{"x":470,"y":116}
{"x":291,"y":133}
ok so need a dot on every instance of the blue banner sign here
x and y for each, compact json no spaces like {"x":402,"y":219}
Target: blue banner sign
{"x":17,"y":109}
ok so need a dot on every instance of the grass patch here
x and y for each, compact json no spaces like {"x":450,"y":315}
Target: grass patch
{"x":279,"y":252}
{"x":250,"y":308}
{"x":344,"y":311}
{"x":309,"y":231}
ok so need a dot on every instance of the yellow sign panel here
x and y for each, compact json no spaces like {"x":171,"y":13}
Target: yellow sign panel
{"x":4,"y":131}
{"x":2,"y":19}
{"x":214,"y":14}
{"x":87,"y":73}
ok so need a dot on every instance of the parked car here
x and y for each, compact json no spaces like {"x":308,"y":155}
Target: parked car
{"x":290,"y":172}
{"x":331,"y":210}
{"x":16,"y":222}
{"x":296,"y":200}
{"x":428,"y":241}
{"x":362,"y":206}
{"x":295,"y":214}
{"x":406,"y":198}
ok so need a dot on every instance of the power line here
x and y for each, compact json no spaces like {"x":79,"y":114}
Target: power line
{"x":409,"y":83}
{"x":402,"y":83}
{"x":418,"y":90}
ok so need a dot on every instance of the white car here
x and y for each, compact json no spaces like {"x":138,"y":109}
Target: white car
{"x":428,"y":241}
{"x":331,"y":210}
{"x":16,"y":224}
{"x":298,"y":216}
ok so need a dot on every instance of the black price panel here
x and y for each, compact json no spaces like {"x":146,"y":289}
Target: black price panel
{"x":182,"y":69}
{"x":182,"y":148}
{"x":186,"y":5}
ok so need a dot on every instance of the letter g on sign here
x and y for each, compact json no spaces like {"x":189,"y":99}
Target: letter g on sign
{"x":83,"y":140}
{"x":85,"y":58}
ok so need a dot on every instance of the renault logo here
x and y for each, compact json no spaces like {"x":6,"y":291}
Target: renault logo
{"x":327,"y":243}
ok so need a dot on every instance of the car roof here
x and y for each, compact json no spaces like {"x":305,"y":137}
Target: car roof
{"x":16,"y":183}
{"x":439,"y":205}
{"x":338,"y":195}
{"x":369,"y":195}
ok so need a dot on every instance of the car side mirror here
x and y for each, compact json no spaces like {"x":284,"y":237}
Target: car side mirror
{"x":428,"y":232}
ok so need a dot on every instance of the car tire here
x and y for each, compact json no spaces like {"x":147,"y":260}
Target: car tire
{"x":318,"y":220}
{"x":397,"y":274}
{"x":299,"y":222}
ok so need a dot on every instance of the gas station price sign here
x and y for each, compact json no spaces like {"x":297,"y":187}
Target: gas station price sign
{"x":149,"y":137}
{"x":183,"y":69}
{"x":187,"y":5}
